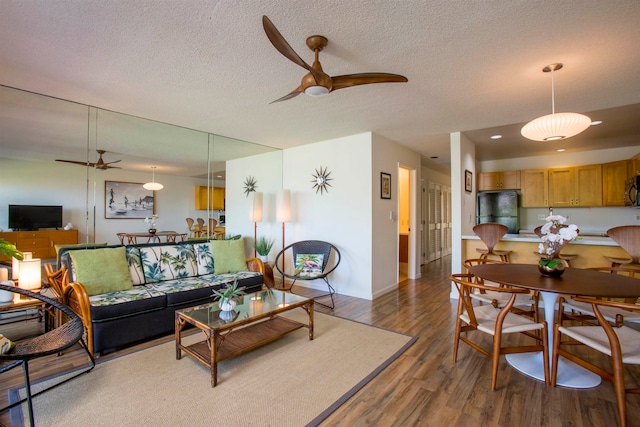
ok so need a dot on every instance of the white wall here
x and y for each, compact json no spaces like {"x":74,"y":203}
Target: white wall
{"x":44,"y":183}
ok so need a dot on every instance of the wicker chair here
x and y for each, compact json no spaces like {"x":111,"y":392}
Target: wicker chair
{"x":52,"y":342}
{"x":311,"y":247}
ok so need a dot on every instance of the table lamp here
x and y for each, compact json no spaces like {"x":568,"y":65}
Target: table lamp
{"x":15,"y":264}
{"x":30,"y":274}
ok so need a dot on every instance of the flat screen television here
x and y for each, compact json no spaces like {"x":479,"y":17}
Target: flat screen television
{"x":32,"y":217}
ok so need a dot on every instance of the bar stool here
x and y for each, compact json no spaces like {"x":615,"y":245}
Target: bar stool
{"x":567,"y":258}
{"x":490,"y":233}
{"x":628,"y":237}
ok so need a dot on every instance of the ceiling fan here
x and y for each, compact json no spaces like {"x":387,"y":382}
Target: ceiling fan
{"x":100,"y":164}
{"x":317,"y":82}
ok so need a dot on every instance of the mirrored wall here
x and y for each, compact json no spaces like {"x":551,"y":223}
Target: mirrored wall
{"x":46,"y":144}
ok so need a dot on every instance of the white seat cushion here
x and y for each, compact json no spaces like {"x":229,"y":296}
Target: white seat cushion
{"x":609,"y":313}
{"x":596,"y":338}
{"x":502,"y":298}
{"x":486,"y":316}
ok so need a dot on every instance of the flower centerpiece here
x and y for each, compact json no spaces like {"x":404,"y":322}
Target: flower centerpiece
{"x":554,"y":235}
{"x":226,"y":295}
{"x":151,"y":222}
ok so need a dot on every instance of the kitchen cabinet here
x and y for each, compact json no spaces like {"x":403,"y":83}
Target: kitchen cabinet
{"x":506,"y":180}
{"x":614,"y":177}
{"x":535,"y":188}
{"x":575,"y":186}
{"x":216,"y":197}
{"x":40,"y":243}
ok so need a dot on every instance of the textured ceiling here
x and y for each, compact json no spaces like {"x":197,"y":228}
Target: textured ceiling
{"x":207,"y":65}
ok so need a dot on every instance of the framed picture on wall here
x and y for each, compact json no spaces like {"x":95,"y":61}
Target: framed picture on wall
{"x":128,"y":200}
{"x":468,"y":181}
{"x":385,"y":185}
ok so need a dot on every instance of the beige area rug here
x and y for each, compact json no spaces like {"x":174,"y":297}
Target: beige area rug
{"x":290,"y":382}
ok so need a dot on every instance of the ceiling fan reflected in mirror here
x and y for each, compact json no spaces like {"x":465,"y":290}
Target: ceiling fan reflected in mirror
{"x":100,"y":164}
{"x":316,"y":82}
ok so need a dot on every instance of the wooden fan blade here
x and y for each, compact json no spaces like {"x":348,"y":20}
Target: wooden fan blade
{"x":115,"y":161}
{"x":282,"y":46}
{"x":293,"y":94}
{"x":105,"y":167}
{"x":348,"y":80}
{"x":77,"y":163}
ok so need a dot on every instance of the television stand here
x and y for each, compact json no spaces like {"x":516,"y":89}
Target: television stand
{"x":40,"y":242}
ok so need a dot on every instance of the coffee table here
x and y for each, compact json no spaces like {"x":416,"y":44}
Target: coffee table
{"x":253,"y":323}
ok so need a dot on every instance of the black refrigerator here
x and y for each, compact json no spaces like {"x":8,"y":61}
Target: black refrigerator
{"x":500,"y":207}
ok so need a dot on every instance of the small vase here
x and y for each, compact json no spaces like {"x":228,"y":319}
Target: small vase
{"x":227,"y":304}
{"x":263,"y":258}
{"x":551,"y":267}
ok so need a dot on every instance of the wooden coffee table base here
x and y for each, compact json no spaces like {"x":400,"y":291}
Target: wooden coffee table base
{"x":237,"y":338}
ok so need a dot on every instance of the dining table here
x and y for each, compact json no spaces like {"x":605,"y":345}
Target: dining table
{"x":574,"y":281}
{"x":132,"y":238}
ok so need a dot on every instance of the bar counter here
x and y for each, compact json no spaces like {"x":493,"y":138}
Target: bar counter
{"x":590,"y":249}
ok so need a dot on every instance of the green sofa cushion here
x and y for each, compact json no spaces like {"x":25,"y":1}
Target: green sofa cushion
{"x":228,"y":256}
{"x":102,"y":270}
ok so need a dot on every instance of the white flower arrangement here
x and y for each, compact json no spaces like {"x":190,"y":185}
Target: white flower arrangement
{"x":151,"y":221}
{"x":555,"y":234}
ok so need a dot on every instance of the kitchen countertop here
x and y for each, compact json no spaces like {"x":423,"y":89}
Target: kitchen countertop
{"x":531,"y":237}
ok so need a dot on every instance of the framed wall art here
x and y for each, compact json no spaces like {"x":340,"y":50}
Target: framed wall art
{"x":385,"y":185}
{"x":128,"y":200}
{"x":468,"y":181}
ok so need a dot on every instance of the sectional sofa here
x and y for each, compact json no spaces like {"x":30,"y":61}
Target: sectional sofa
{"x":127,"y":294}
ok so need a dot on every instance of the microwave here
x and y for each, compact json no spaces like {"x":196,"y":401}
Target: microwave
{"x":631,"y":193}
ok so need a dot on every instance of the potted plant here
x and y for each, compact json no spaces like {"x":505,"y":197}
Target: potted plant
{"x":263,"y":246}
{"x":226,"y":295}
{"x":9,"y":250}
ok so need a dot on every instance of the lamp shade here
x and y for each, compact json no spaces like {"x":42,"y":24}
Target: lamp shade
{"x":15,"y":264}
{"x":255,"y":207}
{"x":555,"y":126}
{"x":283,"y":206}
{"x":153,"y":185}
{"x":30,"y":274}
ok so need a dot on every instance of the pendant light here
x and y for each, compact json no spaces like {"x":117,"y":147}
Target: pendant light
{"x":555,"y":126}
{"x":153,"y":185}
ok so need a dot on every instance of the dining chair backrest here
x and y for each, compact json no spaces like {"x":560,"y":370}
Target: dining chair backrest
{"x":212,"y":224}
{"x":490,"y":233}
{"x":628,"y":237}
{"x":200,"y":222}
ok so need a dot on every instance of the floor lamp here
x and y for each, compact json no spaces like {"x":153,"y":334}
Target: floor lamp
{"x":283,"y":215}
{"x":255,"y":215}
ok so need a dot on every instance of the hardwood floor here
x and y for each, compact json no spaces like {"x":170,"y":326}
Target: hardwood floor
{"x":423,"y":387}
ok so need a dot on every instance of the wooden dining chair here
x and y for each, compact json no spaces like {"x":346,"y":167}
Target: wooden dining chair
{"x":190,"y":228}
{"x":490,"y":233}
{"x":121,"y":237}
{"x":628,"y":237}
{"x":494,"y":321}
{"x":621,"y":343}
{"x":200,"y":228}
{"x":525,"y":304}
{"x":571,"y":310}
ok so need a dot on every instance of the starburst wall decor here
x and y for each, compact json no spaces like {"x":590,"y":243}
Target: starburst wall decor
{"x":321,"y":180}
{"x":250,"y":185}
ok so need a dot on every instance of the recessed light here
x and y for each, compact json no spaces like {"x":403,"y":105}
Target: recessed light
{"x":496,"y":137}
{"x":433,"y":157}
{"x":560,"y":150}
{"x":596,"y":122}
{"x":218,"y":176}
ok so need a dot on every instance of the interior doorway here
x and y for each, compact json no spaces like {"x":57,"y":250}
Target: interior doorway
{"x":405,"y":254}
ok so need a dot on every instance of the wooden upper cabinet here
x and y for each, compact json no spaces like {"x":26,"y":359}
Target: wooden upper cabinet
{"x":575,"y":186}
{"x":507,"y":180}
{"x":535,"y":188}
{"x":614,"y":177}
{"x":216,"y":197}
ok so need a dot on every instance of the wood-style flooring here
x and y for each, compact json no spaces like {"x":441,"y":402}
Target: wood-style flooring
{"x":423,"y":387}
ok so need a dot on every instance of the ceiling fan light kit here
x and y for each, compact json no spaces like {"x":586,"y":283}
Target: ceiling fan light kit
{"x":316,"y":82}
{"x":555,"y":126}
{"x":153,"y":185}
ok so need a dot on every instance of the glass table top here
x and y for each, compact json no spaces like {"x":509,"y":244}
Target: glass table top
{"x":248,"y":306}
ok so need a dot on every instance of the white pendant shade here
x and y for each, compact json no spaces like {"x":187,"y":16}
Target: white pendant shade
{"x":153,"y":185}
{"x":556,"y":126}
